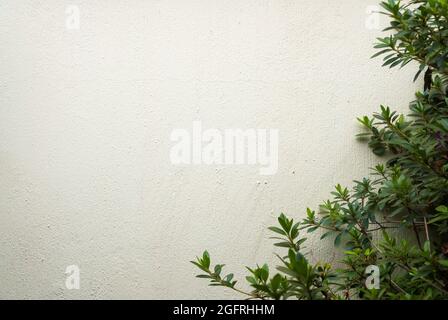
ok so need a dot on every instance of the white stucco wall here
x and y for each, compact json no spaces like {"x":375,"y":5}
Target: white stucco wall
{"x":85,"y":123}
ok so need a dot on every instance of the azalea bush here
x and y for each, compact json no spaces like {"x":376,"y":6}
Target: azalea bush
{"x":397,"y":217}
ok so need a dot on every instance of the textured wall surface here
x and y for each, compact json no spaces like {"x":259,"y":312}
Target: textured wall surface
{"x":85,"y":122}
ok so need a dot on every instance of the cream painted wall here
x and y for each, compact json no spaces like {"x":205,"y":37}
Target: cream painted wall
{"x":85,"y":123}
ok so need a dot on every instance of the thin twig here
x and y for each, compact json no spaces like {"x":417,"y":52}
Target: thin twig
{"x":427,"y":232}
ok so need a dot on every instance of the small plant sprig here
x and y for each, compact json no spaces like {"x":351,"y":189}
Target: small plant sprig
{"x":297,"y":278}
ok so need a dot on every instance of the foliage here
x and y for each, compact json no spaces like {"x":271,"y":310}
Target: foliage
{"x":397,"y":217}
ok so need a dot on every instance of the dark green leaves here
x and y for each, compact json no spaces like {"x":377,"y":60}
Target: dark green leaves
{"x":274,"y":288}
{"x":289,"y":232}
{"x":419,"y":35}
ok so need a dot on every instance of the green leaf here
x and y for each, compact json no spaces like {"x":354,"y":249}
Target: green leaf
{"x":278,"y":230}
{"x":337,"y":240}
{"x":444,"y":263}
{"x":206,"y":259}
{"x":380,"y":53}
{"x":284,"y":244}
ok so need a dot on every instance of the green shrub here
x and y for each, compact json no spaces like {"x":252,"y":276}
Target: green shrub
{"x":408,"y":193}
